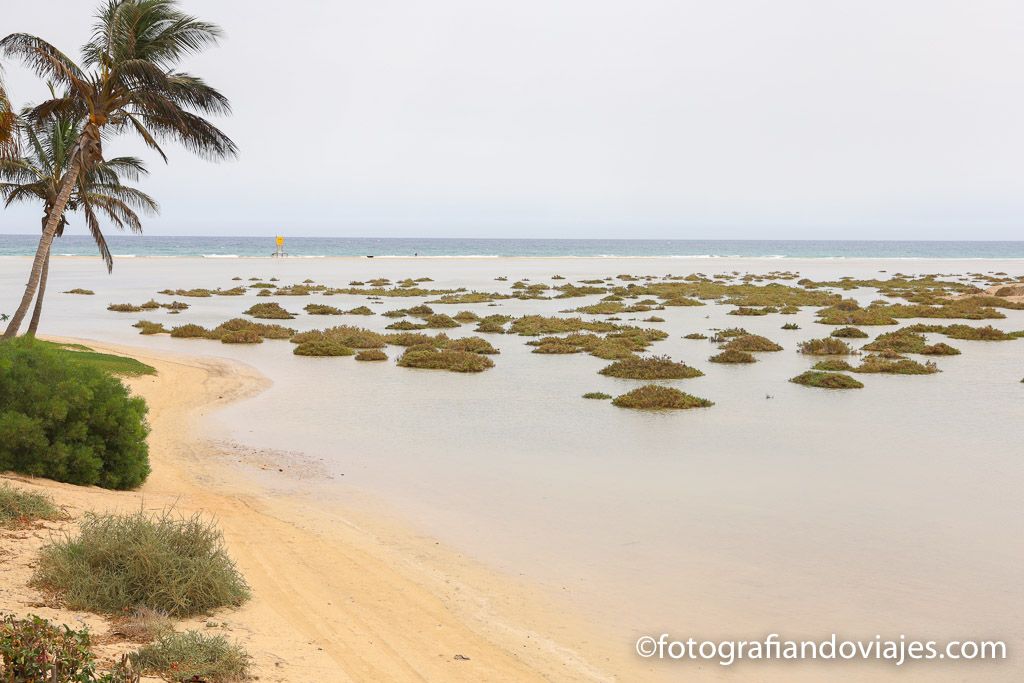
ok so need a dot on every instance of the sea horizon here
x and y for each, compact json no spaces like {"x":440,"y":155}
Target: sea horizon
{"x":130,"y":246}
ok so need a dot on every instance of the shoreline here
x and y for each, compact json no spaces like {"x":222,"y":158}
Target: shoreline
{"x":336,"y":595}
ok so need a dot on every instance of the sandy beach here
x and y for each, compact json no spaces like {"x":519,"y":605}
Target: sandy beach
{"x":333,"y":600}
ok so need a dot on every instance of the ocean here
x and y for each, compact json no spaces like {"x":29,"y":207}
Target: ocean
{"x":380,"y":247}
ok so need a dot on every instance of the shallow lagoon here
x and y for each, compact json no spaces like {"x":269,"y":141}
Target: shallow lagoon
{"x":892,"y":509}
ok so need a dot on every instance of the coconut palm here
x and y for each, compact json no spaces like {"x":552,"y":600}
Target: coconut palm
{"x":8,"y":135}
{"x":129,"y":83}
{"x":38,"y":177}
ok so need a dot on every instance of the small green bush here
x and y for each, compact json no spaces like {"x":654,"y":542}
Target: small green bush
{"x":322,"y":347}
{"x":193,"y":656}
{"x":651,"y":367}
{"x":654,"y":397}
{"x":597,"y":395}
{"x":174,"y":564}
{"x":733,"y":356}
{"x":791,"y":326}
{"x":19,"y":507}
{"x":827,"y":346}
{"x":371,"y":355}
{"x":124,"y":308}
{"x":695,"y":335}
{"x":429,"y":358}
{"x":68,"y":420}
{"x":272,"y":311}
{"x":827,"y":380}
{"x":79,"y":290}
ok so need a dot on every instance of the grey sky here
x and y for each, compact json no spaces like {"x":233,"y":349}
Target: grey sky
{"x":591,"y":118}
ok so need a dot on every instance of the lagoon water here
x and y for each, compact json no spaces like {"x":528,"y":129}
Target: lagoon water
{"x":896,"y":509}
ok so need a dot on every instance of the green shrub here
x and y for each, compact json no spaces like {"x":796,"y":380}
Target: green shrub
{"x":598,"y":395}
{"x":429,"y":358}
{"x":79,"y":290}
{"x":322,"y":347}
{"x":124,"y":308}
{"x":654,"y":397}
{"x":371,"y":355}
{"x":68,"y":420}
{"x":164,"y":562}
{"x":791,"y":326}
{"x":828,"y":346}
{"x":733,"y":356}
{"x":272,"y":311}
{"x":247,"y":336}
{"x":471,"y":344}
{"x":33,"y":650}
{"x":652,"y":367}
{"x":695,"y":335}
{"x":849,"y":333}
{"x":19,"y":507}
{"x":752,"y":343}
{"x":827,"y":380}
{"x":193,"y":656}
{"x":466,"y":317}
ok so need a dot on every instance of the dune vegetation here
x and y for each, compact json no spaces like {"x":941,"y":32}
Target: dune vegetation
{"x":118,"y":562}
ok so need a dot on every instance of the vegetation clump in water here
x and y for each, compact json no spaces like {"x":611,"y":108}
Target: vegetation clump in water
{"x":828,"y":346}
{"x":440,"y":321}
{"x":371,"y":355}
{"x":347,"y":335}
{"x":849,"y":333}
{"x":654,"y":397}
{"x":271,"y":311}
{"x":695,"y":335}
{"x":652,"y":367}
{"x":430,"y":358}
{"x":472,"y":345}
{"x":149,"y":327}
{"x":733,"y":356}
{"x":827,"y":380}
{"x":322,"y":309}
{"x":895,"y":366}
{"x":597,"y":395}
{"x":79,"y":290}
{"x":322,"y":347}
{"x":752,"y":343}
{"x":245,"y":336}
{"x":406,"y":325}
{"x":833,"y":365}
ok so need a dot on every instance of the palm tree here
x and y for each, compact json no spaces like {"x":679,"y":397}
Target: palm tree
{"x":8,"y":136}
{"x":38,"y":177}
{"x":129,"y":84}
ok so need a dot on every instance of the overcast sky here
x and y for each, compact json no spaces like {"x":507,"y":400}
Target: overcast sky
{"x":826,"y":119}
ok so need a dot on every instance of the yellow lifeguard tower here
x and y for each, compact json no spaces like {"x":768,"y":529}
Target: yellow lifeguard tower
{"x":279,"y":241}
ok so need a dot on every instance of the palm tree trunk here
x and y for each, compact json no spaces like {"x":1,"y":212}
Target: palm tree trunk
{"x":38,"y":311}
{"x":43,"y":251}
